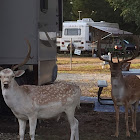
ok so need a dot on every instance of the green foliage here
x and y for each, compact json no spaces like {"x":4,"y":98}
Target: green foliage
{"x":67,"y":8}
{"x":98,"y":10}
{"x":130,"y":9}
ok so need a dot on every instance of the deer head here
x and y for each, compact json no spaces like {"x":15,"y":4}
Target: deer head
{"x":7,"y":77}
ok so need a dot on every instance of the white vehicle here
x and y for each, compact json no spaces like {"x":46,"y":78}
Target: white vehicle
{"x":82,"y":34}
{"x":78,"y":31}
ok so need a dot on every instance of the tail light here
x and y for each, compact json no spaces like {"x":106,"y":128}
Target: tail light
{"x":116,"y":47}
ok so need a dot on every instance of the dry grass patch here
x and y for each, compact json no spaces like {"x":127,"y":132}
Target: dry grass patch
{"x":78,"y":60}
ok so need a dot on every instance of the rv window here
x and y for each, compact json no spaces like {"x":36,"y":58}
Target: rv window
{"x":72,"y":31}
{"x":43,"y":6}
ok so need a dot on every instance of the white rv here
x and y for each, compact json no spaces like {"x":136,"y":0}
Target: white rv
{"x":82,"y":34}
{"x":78,"y":31}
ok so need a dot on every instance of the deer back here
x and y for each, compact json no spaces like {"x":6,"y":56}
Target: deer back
{"x":56,"y":92}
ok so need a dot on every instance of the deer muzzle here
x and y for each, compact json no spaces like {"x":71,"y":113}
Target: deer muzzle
{"x":6,"y":86}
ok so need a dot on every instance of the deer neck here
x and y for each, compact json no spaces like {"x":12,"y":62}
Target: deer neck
{"x":12,"y":92}
{"x":117,"y":79}
{"x":13,"y":95}
{"x":118,"y":88}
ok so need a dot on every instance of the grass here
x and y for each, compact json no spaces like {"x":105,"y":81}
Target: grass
{"x":77,"y":60}
{"x":135,"y":66}
{"x":84,"y":69}
{"x":86,"y":65}
{"x":81,"y":65}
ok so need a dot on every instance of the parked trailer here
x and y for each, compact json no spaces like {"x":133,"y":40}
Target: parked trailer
{"x":81,"y":32}
{"x":78,"y":31}
{"x":31,"y":19}
{"x":39,"y":21}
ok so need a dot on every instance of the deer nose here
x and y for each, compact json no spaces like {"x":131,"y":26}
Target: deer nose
{"x":6,"y":86}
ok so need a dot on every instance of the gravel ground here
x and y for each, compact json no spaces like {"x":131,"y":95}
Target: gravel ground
{"x":86,"y":81}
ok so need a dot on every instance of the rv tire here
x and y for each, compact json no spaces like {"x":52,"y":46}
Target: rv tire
{"x":54,"y":73}
{"x":68,"y":47}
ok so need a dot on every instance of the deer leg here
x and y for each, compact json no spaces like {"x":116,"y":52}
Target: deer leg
{"x":73,"y":124}
{"x":22,"y":126}
{"x":117,"y":119}
{"x":134,"y":117}
{"x":32,"y":123}
{"x":132,"y":112}
{"x":77,"y":129}
{"x":126,"y":120}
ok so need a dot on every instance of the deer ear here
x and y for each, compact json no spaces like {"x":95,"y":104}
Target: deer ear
{"x":1,"y":68}
{"x":19,"y":73}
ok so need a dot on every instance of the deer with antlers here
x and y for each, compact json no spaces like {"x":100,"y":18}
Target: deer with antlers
{"x":125,"y":91}
{"x":30,"y":102}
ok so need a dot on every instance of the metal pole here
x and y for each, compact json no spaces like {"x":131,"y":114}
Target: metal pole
{"x":79,"y":14}
{"x":71,"y":54}
{"x":92,"y":51}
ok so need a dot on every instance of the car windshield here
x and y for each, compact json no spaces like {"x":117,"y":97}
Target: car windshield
{"x":119,"y":42}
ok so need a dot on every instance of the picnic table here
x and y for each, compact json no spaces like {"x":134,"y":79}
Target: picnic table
{"x":131,"y":72}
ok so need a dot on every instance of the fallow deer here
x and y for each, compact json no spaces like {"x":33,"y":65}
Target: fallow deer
{"x":125,"y":91}
{"x":30,"y":102}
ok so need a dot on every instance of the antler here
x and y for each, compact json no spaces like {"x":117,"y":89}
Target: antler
{"x":133,"y":56}
{"x":27,"y":57}
{"x":99,"y":51}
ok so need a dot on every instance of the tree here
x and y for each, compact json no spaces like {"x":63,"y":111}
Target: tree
{"x":98,"y":10}
{"x":129,"y":9}
{"x":67,"y":10}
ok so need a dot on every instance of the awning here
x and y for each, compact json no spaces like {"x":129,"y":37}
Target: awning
{"x":114,"y":31}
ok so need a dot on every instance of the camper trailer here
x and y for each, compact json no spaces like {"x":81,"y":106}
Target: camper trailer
{"x":83,"y":34}
{"x":79,"y":32}
{"x":39,"y":21}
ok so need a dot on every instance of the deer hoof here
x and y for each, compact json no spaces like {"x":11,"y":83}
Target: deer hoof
{"x":127,"y":134}
{"x":134,"y":130}
{"x":116,"y":135}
